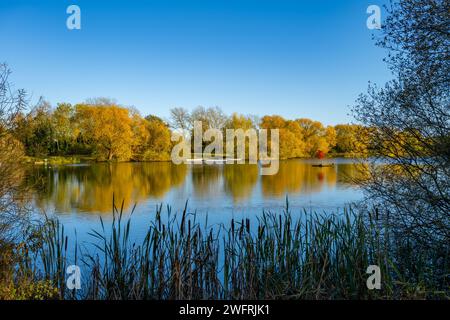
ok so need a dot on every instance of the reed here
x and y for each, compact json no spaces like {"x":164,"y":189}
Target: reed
{"x":277,"y":256}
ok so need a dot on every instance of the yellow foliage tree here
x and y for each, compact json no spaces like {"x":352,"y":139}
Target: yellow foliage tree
{"x":158,"y":145}
{"x":316,"y":137}
{"x":351,"y":139}
{"x":236,"y":122}
{"x":291,"y":142}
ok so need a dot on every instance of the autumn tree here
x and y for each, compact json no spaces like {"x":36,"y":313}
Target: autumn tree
{"x":290,"y":136}
{"x":38,"y":135}
{"x":64,"y":133}
{"x":316,"y":137}
{"x":108,"y":128}
{"x":239,"y":121}
{"x":180,"y":119}
{"x":351,"y":139}
{"x":240,"y":124}
{"x":140,"y":136}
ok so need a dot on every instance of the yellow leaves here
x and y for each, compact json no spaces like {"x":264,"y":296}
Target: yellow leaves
{"x":11,"y":171}
{"x":12,"y":149}
{"x":273,"y":122}
{"x":315,"y":136}
{"x":238,"y":121}
{"x":291,"y":144}
{"x":320,"y":144}
{"x":29,"y":290}
{"x":305,"y":137}
{"x":330,"y":136}
{"x":120,"y":134}
{"x":351,"y":139}
{"x":140,"y":135}
{"x":159,"y":136}
{"x":109,"y":128}
{"x":110,"y":132}
{"x":405,"y":144}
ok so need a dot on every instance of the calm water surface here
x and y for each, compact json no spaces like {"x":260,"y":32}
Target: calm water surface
{"x":79,"y":194}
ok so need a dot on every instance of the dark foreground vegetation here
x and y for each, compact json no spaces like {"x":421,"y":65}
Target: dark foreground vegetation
{"x":310,"y":256}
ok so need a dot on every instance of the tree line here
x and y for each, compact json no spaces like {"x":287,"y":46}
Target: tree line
{"x":105,"y":130}
{"x":99,"y":127}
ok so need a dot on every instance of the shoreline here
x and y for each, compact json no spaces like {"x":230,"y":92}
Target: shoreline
{"x":76,"y":159}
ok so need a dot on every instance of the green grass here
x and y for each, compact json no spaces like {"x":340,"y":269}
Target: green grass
{"x":278,"y":256}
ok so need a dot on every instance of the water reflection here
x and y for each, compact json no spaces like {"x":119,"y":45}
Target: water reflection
{"x":205,"y":180}
{"x":89,"y":188}
{"x":295,"y":176}
{"x":240,"y":180}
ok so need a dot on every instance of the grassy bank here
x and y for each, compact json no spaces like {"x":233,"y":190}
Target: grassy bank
{"x":58,"y":160}
{"x":150,"y":157}
{"x":278,"y":257}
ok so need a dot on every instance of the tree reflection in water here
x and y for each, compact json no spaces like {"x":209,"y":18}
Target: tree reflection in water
{"x":89,"y":188}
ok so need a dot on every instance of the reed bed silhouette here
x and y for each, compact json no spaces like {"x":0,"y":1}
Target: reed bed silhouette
{"x":275,"y":256}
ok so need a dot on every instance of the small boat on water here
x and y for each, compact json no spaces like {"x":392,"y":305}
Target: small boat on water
{"x":323,"y":165}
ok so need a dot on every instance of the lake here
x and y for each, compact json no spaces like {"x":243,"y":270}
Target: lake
{"x":79,"y":194}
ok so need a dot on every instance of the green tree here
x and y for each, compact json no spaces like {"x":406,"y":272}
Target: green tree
{"x":64,"y":134}
{"x":42,"y":140}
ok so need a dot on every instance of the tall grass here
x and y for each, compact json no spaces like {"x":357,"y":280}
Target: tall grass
{"x":277,"y":256}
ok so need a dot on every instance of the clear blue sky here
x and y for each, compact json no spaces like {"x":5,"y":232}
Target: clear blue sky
{"x":293,"y":58}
